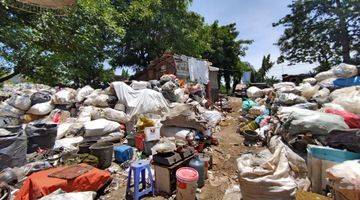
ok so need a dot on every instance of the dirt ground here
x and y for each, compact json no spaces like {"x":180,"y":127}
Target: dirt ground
{"x":223,"y":175}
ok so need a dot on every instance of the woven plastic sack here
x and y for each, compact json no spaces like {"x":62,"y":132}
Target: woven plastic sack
{"x":325,"y":75}
{"x":290,"y":99}
{"x":21,"y":102}
{"x":254,"y":92}
{"x":308,"y":91}
{"x":349,"y":104}
{"x":100,"y":127}
{"x":83,"y":93}
{"x":311,"y":81}
{"x":346,"y":178}
{"x":41,"y":108}
{"x":348,"y":92}
{"x":9,"y":111}
{"x":344,"y":70}
{"x":322,"y":96}
{"x":64,"y":96}
{"x":268,"y":177}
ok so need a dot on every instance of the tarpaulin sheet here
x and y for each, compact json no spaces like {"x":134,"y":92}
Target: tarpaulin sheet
{"x":140,"y":101}
{"x":199,"y":71}
{"x":39,"y":184}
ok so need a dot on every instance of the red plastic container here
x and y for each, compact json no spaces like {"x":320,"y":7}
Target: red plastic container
{"x":139,"y":141}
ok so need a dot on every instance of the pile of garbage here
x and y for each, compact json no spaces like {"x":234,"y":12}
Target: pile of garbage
{"x":45,"y":131}
{"x":317,"y":120}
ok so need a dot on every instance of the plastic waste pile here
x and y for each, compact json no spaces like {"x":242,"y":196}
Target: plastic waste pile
{"x":44,"y":128}
{"x":320,"y":111}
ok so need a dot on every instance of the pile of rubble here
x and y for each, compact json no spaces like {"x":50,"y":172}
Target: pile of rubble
{"x":54,"y":138}
{"x":318,"y":120}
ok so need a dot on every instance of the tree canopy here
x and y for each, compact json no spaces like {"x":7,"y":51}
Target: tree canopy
{"x":323,"y":31}
{"x":225,"y":50}
{"x":266,"y":65}
{"x":73,"y":49}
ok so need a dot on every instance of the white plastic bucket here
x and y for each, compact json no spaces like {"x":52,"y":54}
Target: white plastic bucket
{"x":187,"y":178}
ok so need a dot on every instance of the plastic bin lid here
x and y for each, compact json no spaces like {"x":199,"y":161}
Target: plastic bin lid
{"x":187,"y":174}
{"x":122,"y":147}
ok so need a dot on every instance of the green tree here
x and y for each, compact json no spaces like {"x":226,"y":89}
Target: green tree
{"x":225,"y":50}
{"x":323,"y":31}
{"x":168,"y":26}
{"x":266,"y":65}
{"x":52,"y":49}
{"x":69,"y":49}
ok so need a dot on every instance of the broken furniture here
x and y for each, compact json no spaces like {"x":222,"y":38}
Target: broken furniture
{"x":165,"y":175}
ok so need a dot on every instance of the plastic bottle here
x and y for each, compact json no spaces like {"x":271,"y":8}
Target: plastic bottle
{"x":199,"y":166}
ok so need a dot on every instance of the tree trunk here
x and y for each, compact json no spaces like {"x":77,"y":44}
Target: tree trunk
{"x":235,"y":82}
{"x":227,"y":82}
{"x":343,"y":34}
{"x":9,"y":76}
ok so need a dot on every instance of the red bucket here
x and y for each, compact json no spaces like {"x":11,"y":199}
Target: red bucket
{"x":139,"y":141}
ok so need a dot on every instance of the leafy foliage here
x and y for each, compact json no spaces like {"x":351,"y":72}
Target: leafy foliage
{"x":225,"y":50}
{"x":266,"y":65}
{"x":169,"y":26}
{"x":323,"y":31}
{"x":72,"y":49}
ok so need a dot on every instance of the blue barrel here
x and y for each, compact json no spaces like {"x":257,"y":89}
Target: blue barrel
{"x":123,"y":153}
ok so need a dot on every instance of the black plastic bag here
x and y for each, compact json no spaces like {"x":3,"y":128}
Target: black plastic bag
{"x":40,"y":97}
{"x":12,"y":147}
{"x":344,"y":139}
{"x":41,"y":136}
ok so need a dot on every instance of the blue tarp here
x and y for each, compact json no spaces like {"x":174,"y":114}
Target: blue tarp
{"x":331,"y":154}
{"x":347,"y":82}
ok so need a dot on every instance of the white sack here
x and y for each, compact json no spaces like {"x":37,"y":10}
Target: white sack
{"x":61,"y":195}
{"x":307,"y":90}
{"x":21,"y":102}
{"x":348,"y":98}
{"x":83,"y":93}
{"x":85,"y":114}
{"x":109,"y":114}
{"x":346,"y":177}
{"x":325,"y":75}
{"x":69,"y":144}
{"x":344,"y":70}
{"x":254,"y":92}
{"x":290,"y":99}
{"x":140,"y":101}
{"x":41,"y":108}
{"x":266,"y":178}
{"x":212,"y":117}
{"x":120,"y":107}
{"x":347,"y":92}
{"x":322,"y":96}
{"x":64,"y":96}
{"x":181,"y":95}
{"x":277,"y":86}
{"x":311,"y":81}
{"x":349,"y":104}
{"x":140,"y":85}
{"x":177,"y":132}
{"x":298,"y":121}
{"x":332,"y":106}
{"x":100,"y":127}
{"x":62,"y":130}
{"x":327,"y":83}
{"x":9,"y":111}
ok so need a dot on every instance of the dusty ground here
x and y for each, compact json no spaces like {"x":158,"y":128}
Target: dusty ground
{"x":223,"y":175}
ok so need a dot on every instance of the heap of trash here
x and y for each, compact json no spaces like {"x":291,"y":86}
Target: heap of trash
{"x":312,"y":135}
{"x":58,"y":143}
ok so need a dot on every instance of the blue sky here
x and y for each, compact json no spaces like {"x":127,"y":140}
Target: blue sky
{"x":254,"y":20}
